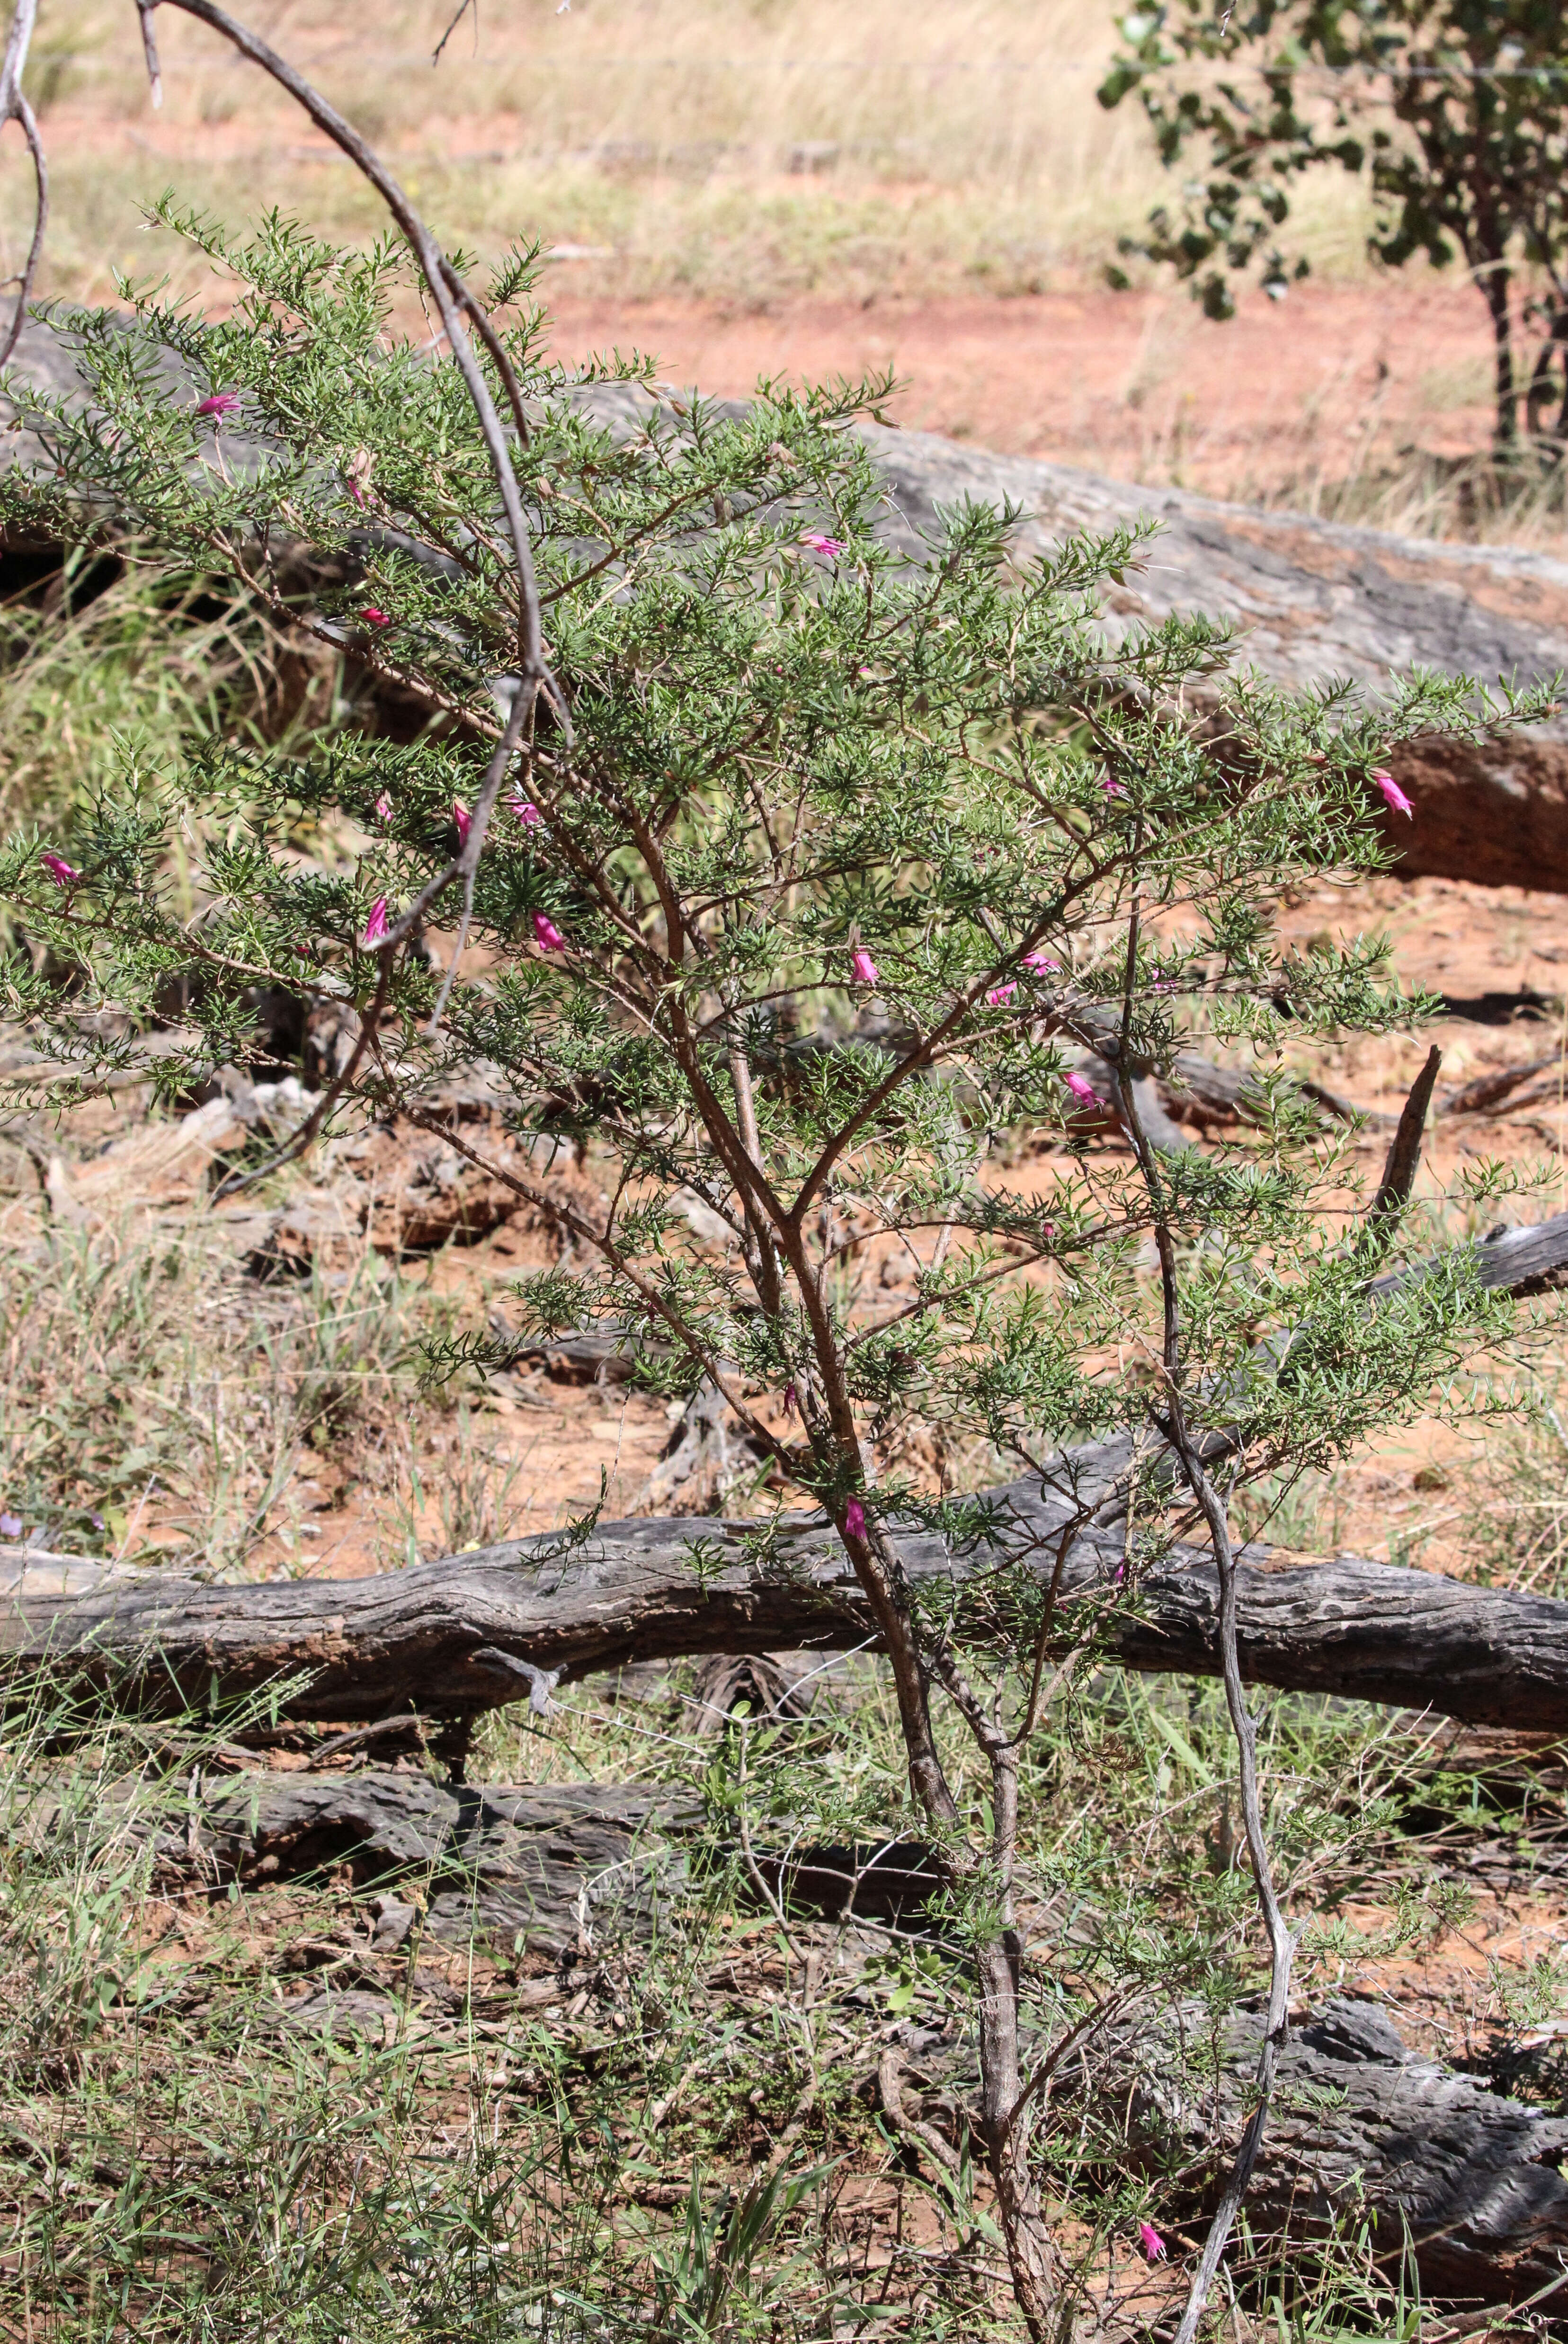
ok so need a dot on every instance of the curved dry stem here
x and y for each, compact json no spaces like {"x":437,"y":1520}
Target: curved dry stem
{"x":1282,"y":1945}
{"x":14,"y":107}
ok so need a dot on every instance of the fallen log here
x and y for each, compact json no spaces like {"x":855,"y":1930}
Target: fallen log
{"x":1362,"y":2129}
{"x":1435,"y":2164}
{"x":470,"y":1632}
{"x":1313,"y":601}
{"x":454,"y":1638}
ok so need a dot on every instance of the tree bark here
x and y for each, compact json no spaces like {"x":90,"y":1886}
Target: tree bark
{"x":454,"y":1638}
{"x":473,"y":1632}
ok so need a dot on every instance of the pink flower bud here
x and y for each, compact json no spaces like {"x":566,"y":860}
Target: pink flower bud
{"x":855,"y":1519}
{"x":1042,"y":963}
{"x":831,"y":546}
{"x":528,"y":815}
{"x":63,"y":874}
{"x":383,"y":808}
{"x":1112,"y":789}
{"x":790,"y":1400}
{"x":863,"y":968}
{"x":1153,"y":2245}
{"x":463,"y":819}
{"x":375,"y":618}
{"x":1083,"y":1090}
{"x":376,"y":926}
{"x":1394,"y":797}
{"x":999,"y":996}
{"x":222,"y":402}
{"x":547,"y":935}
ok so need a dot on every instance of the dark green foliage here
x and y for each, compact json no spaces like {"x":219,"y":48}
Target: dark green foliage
{"x":1454,"y":112}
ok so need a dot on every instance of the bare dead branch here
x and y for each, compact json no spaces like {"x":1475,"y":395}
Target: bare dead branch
{"x":149,"y":49}
{"x":463,"y":7}
{"x":14,"y":107}
{"x":1404,"y":1160}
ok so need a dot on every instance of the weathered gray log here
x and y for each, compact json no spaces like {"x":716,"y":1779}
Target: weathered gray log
{"x":1313,"y":599}
{"x":543,"y":1868}
{"x":546,"y":1869}
{"x":474,"y":1631}
{"x":1363,"y":2128}
{"x":471,"y":1633}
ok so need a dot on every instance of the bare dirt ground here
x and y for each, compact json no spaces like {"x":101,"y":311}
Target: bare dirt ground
{"x":1357,"y":393}
{"x":1269,"y":407}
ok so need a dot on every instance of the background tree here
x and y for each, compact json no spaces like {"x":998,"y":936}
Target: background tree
{"x":1453,"y":113}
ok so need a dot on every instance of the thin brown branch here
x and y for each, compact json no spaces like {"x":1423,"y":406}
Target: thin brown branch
{"x":1280,"y":1943}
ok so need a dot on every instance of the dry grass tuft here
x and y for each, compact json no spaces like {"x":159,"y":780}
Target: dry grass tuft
{"x":729,"y":153}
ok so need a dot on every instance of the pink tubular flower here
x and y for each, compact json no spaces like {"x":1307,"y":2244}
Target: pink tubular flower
{"x":383,"y":808}
{"x":1112,"y":789}
{"x":375,"y":618}
{"x":1393,"y":796}
{"x":376,"y":926}
{"x":855,"y":1518}
{"x":831,"y":546}
{"x":63,"y":874}
{"x":526,"y":813}
{"x":547,"y":935}
{"x":222,"y":402}
{"x":1042,"y":963}
{"x":1151,"y":2242}
{"x":863,"y":968}
{"x":790,"y":1400}
{"x":357,"y":474}
{"x":463,"y":819}
{"x":1000,"y":995}
{"x":1083,"y":1090}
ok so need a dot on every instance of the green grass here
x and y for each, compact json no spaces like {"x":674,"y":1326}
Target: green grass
{"x":97,"y":668}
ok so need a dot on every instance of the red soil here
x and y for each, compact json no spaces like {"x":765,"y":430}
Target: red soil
{"x":1138,"y":385}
